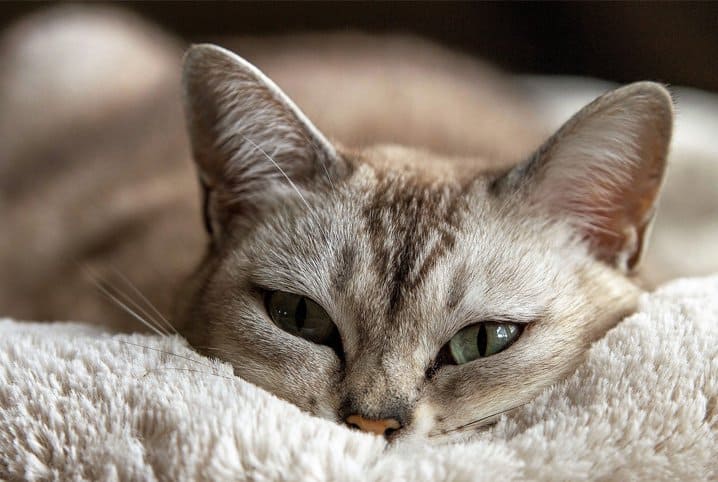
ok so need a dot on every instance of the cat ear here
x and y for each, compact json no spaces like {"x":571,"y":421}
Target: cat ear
{"x":603,"y":169}
{"x":251,"y":143}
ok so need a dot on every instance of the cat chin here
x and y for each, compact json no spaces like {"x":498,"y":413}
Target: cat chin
{"x":424,"y":419}
{"x":326,"y":413}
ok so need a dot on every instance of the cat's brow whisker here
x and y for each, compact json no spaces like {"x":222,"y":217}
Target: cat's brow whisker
{"x":167,"y":353}
{"x":98,"y":284}
{"x":269,"y":158}
{"x":321,"y":160}
{"x":146,"y":301}
{"x":289,"y":180}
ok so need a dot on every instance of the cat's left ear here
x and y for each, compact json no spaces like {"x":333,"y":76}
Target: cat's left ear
{"x":602,"y":171}
{"x":252,"y":145}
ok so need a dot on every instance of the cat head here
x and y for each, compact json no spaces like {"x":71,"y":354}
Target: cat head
{"x":398,"y":291}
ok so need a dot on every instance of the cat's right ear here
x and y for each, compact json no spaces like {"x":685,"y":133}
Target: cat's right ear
{"x":602,"y":171}
{"x":251,"y":143}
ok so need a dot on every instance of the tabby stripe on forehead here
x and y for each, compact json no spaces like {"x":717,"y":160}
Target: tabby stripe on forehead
{"x":403,"y":282}
{"x":402,"y":221}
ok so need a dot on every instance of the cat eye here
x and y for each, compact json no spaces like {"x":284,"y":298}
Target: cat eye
{"x":301,"y":317}
{"x":482,"y":340}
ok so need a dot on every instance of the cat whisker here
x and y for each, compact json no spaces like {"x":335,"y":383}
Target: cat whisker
{"x":151,"y":323}
{"x":191,"y":370}
{"x":209,"y":348}
{"x":131,"y":312}
{"x":165,"y":352}
{"x":474,"y":423}
{"x":146,"y":301}
{"x":123,"y":296}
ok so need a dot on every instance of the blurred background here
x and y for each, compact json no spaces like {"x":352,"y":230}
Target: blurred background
{"x":90,"y":116}
{"x":672,"y":42}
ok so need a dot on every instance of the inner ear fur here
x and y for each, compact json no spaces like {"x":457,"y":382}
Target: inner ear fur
{"x":603,"y":169}
{"x":250,"y":142}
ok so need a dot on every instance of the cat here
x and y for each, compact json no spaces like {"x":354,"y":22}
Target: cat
{"x":406,"y":293}
{"x":410,"y":292}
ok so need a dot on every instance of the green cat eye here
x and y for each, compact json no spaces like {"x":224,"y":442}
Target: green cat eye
{"x":300,"y":316}
{"x":482,"y":340}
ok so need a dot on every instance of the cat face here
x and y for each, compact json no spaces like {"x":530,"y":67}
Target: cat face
{"x":397,"y":291}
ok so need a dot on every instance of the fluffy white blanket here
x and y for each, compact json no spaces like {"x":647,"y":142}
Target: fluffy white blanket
{"x":76,"y":403}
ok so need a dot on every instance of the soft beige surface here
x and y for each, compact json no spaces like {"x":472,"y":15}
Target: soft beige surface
{"x":79,"y":404}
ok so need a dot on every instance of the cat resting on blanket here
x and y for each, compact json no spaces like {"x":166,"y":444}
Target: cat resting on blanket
{"x":402,"y":292}
{"x":408,"y":292}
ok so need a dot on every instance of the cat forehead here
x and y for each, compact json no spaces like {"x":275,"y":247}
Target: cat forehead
{"x":390,"y":207}
{"x":386,"y":237}
{"x":431,"y":250}
{"x":423,"y":166}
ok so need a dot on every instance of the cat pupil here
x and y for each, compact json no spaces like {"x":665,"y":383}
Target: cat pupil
{"x":301,"y":314}
{"x":481,"y":340}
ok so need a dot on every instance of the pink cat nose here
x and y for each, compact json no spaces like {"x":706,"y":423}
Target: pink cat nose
{"x":384,"y":426}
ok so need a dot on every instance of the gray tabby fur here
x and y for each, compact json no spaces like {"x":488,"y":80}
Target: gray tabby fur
{"x":403,"y":248}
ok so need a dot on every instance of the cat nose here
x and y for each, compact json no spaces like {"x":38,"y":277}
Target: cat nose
{"x":384,"y":426}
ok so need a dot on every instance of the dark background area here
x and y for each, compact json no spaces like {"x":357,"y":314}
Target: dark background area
{"x":670,"y":42}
